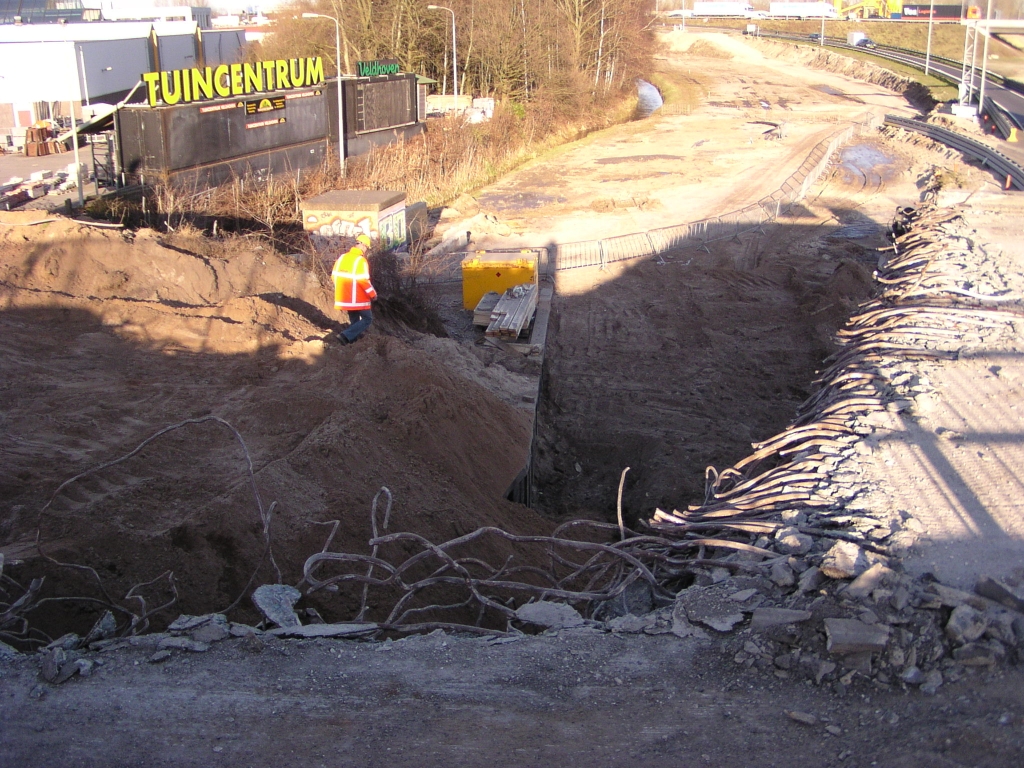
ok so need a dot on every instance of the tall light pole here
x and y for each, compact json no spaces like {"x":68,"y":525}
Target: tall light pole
{"x":83,"y":88}
{"x":337,"y":61}
{"x":984,"y":57}
{"x":928,"y":50}
{"x":455,"y":66}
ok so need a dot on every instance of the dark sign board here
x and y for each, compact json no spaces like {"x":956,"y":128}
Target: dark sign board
{"x":259,"y":106}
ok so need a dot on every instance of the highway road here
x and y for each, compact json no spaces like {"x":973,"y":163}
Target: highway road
{"x":1009,"y":101}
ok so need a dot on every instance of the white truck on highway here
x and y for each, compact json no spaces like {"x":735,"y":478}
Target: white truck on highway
{"x":859,"y":39}
{"x":742,"y":10}
{"x":803,"y":10}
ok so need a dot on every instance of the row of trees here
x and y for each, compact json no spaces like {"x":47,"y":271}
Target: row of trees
{"x":510,"y":49}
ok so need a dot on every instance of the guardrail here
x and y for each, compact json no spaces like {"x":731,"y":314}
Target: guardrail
{"x":1003,"y":166}
{"x":881,"y":50}
{"x":1003,"y":121}
{"x":655,"y":242}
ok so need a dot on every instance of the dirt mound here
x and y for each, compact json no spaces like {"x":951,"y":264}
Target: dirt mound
{"x":108,"y":338}
{"x":708,"y":50}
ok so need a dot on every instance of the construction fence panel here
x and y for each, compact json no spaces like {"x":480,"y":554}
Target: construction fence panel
{"x":655,"y":242}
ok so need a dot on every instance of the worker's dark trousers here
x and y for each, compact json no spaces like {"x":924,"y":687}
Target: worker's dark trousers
{"x":359,"y":320}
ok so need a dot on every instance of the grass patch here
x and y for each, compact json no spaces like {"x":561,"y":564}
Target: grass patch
{"x":940,"y":89}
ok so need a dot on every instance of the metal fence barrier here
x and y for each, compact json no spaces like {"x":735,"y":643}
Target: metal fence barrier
{"x":655,"y":242}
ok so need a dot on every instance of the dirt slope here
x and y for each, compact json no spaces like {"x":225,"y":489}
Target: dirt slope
{"x":106,"y":339}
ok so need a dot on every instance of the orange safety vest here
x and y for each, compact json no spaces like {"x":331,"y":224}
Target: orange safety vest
{"x":352,"y":286}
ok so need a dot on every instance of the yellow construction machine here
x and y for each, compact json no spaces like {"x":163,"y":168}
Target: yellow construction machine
{"x":868,"y":9}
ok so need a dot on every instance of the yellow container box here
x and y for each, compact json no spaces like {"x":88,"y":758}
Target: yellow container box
{"x":497,"y":272}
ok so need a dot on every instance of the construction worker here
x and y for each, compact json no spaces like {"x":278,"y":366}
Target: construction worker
{"x":353,"y":290}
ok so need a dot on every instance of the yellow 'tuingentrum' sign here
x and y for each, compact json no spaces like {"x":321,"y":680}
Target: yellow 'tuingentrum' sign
{"x":183,"y":86}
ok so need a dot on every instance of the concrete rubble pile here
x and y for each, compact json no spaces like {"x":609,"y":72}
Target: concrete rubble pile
{"x":832,"y":604}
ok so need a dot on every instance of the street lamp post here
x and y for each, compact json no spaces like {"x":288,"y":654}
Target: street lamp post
{"x":928,"y":50}
{"x":984,"y":57}
{"x":337,"y":60}
{"x":83,"y":90}
{"x":821,"y":42}
{"x":455,"y":66}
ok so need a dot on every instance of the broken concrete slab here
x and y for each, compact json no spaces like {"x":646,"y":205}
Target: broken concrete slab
{"x":952,"y":598}
{"x":681,"y":626}
{"x":68,"y":642}
{"x":846,"y":636}
{"x":980,"y":654}
{"x":844,"y":560}
{"x":743,"y":595}
{"x":631,"y":624}
{"x":822,"y":668}
{"x":52,"y":663}
{"x":72,"y":668}
{"x":243,"y":630}
{"x":878,"y":575}
{"x":782,"y":575}
{"x":773,"y":617}
{"x":212,"y":632}
{"x":275,"y":602}
{"x":912,"y":676}
{"x":931,"y":683}
{"x":147,"y":641}
{"x":183,"y":644}
{"x":789,"y":541}
{"x":996,"y":590}
{"x":810,"y":579}
{"x":103,"y":629}
{"x":858,"y":662}
{"x":710,"y":607}
{"x":185,"y":623}
{"x":325,"y":630}
{"x":965,"y":625}
{"x":551,"y":615}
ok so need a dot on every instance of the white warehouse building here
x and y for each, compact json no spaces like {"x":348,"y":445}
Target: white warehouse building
{"x":46,"y":66}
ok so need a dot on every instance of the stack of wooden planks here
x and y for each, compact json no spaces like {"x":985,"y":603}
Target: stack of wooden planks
{"x":482,"y":313}
{"x":513,"y":312}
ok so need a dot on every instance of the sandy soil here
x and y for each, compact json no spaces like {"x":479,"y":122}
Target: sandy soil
{"x":663,"y":367}
{"x":108,"y":338}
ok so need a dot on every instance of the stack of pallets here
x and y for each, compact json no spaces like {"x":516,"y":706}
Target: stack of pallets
{"x":39,"y":142}
{"x":513,"y":312}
